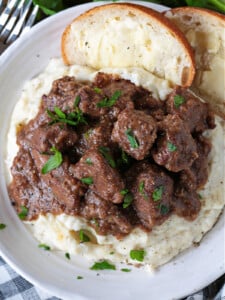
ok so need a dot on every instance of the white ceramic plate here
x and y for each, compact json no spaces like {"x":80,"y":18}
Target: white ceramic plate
{"x":189,"y":272}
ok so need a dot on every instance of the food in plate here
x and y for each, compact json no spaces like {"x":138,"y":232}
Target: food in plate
{"x":204,"y":29}
{"x":117,"y":162}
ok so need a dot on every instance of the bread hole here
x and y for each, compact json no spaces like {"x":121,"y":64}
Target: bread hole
{"x":178,"y":59}
{"x":130,"y":14}
{"x":187,"y":18}
{"x":185,"y":75}
{"x":117,"y":18}
{"x":148,"y":45}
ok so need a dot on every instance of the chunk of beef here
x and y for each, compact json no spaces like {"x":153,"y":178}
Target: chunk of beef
{"x":100,"y":135}
{"x":129,"y":92}
{"x":90,"y":102}
{"x":104,"y":216}
{"x":28,"y":190}
{"x":175,"y":147}
{"x":65,"y":188}
{"x":186,"y":204}
{"x":190,"y":109}
{"x":152,"y":189}
{"x":135,"y":132}
{"x":103,"y":179}
{"x":196,"y":176}
{"x":62,"y":94}
{"x":43,"y":138}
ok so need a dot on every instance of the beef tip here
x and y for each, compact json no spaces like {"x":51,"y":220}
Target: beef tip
{"x":89,"y":102}
{"x":65,"y":188}
{"x":186,"y":204}
{"x":175,"y":148}
{"x":190,"y":109}
{"x":196,"y":176}
{"x":28,"y":190}
{"x":135,"y":132}
{"x":43,"y":138}
{"x":152,"y":189}
{"x":129,"y":92}
{"x":100,"y":135}
{"x":104,"y":216}
{"x":104,"y":180}
{"x":62,"y":94}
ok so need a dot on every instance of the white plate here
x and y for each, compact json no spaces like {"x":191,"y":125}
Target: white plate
{"x":189,"y":272}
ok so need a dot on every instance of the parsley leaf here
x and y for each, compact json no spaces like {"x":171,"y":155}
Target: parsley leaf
{"x":23,"y":213}
{"x":83,"y":237}
{"x":2,"y":226}
{"x":163,"y":209}
{"x":103,"y":265}
{"x":87,"y":180}
{"x":137,"y":255}
{"x":108,"y":102}
{"x":157,"y":193}
{"x":124,"y":192}
{"x":131,"y":138}
{"x":141,"y":190}
{"x":44,"y":246}
{"x":88,"y":161}
{"x":178,"y":100}
{"x":171,"y":147}
{"x":125,"y":270}
{"x":54,"y":161}
{"x":127,"y":200}
{"x":80,"y":277}
{"x":97,"y":90}
{"x":106,"y":153}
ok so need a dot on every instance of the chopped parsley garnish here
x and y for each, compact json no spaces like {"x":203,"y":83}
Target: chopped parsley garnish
{"x":137,"y":255}
{"x":73,"y":118}
{"x":125,"y":270}
{"x":79,"y":277}
{"x":157,"y":193}
{"x":128,"y":200}
{"x":23,"y":212}
{"x":141,"y":190}
{"x":108,"y":102}
{"x":88,"y":161}
{"x":124,"y":157}
{"x":163,"y":209}
{"x":178,"y":100}
{"x":44,"y":246}
{"x":111,"y":253}
{"x":171,"y":147}
{"x":103,"y":265}
{"x":97,"y":90}
{"x":2,"y":226}
{"x":83,"y":237}
{"x":200,"y":196}
{"x":94,"y":221}
{"x":67,"y":255}
{"x":124,"y":192}
{"x":131,"y":138}
{"x":106,"y":153}
{"x":54,"y":161}
{"x":87,"y":180}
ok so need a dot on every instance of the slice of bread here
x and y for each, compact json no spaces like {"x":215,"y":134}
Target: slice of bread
{"x":205,"y":31}
{"x":129,"y":35}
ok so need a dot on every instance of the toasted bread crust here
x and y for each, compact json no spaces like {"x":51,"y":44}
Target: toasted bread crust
{"x":153,"y":16}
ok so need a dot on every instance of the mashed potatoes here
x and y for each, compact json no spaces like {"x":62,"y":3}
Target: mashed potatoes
{"x":165,"y":241}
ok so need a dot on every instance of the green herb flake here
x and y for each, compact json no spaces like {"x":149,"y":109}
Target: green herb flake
{"x":2,"y":226}
{"x":200,"y":196}
{"x":128,"y":200}
{"x":131,"y":138}
{"x":112,"y":253}
{"x":103,"y":265}
{"x":84,"y":238}
{"x":76,"y":101}
{"x":87,"y":180}
{"x":67,"y":255}
{"x":141,"y":190}
{"x":163,"y":209}
{"x":23,"y":212}
{"x":157,"y":193}
{"x":126,"y":270}
{"x":124,"y":192}
{"x":79,"y":277}
{"x":97,"y":90}
{"x":94,"y":221}
{"x":44,"y":246}
{"x":108,"y":102}
{"x":171,"y":147}
{"x":54,"y":161}
{"x":178,"y":101}
{"x":137,"y":255}
{"x":88,"y":161}
{"x":106,"y":154}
